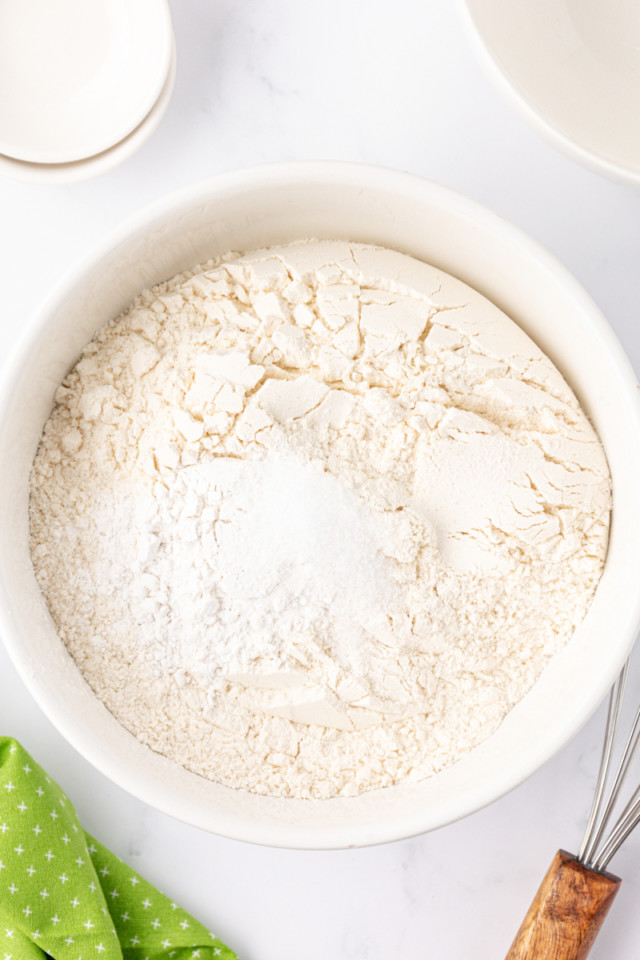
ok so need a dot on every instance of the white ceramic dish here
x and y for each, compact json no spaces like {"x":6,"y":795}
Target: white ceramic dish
{"x":272,"y":205}
{"x":572,"y":69}
{"x":64,"y":173}
{"x":77,"y":76}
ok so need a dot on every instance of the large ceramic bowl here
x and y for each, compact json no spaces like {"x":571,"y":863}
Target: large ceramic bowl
{"x":271,"y":205}
{"x":572,"y":69}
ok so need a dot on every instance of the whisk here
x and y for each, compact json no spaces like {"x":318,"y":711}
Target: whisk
{"x":577,"y":891}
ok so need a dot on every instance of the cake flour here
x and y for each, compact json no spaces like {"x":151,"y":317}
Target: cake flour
{"x":312,"y":520}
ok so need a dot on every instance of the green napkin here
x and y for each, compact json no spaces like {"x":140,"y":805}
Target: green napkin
{"x":64,"y":895}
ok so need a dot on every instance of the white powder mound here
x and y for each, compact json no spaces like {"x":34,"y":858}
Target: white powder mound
{"x":311,"y":520}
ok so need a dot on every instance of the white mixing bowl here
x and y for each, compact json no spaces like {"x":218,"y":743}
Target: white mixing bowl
{"x":271,"y":205}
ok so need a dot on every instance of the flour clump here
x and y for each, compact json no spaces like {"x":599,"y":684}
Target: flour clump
{"x":311,"y":520}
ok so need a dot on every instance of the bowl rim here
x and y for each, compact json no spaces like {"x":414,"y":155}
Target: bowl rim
{"x":265,"y":176}
{"x":562,"y":141}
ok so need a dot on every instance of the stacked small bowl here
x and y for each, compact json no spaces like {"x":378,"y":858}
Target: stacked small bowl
{"x":83,"y":83}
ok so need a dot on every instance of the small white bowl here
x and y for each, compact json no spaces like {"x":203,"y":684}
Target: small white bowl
{"x":77,"y":76}
{"x":572,"y":69}
{"x":274,"y":204}
{"x":64,"y":173}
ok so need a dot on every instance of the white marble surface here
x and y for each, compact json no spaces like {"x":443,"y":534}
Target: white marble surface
{"x":263,"y":80}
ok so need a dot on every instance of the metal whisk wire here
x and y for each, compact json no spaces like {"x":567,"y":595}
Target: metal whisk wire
{"x":596,"y":852}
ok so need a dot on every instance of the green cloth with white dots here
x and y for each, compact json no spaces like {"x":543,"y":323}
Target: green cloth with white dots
{"x":65,"y":896}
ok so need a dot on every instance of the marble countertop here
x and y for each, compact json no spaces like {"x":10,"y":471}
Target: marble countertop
{"x":266,"y":80}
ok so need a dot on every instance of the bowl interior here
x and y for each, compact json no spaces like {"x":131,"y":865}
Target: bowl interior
{"x":274,"y":205}
{"x":573,"y":65}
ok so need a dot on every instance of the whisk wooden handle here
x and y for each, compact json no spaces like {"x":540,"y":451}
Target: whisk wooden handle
{"x":566,"y":914}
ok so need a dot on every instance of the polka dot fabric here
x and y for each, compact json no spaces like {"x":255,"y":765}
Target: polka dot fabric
{"x":65,"y":896}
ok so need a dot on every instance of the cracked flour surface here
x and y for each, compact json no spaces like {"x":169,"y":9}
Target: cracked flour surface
{"x":311,"y":520}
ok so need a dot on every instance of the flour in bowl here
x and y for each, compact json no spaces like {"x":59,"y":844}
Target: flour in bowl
{"x":311,"y":520}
